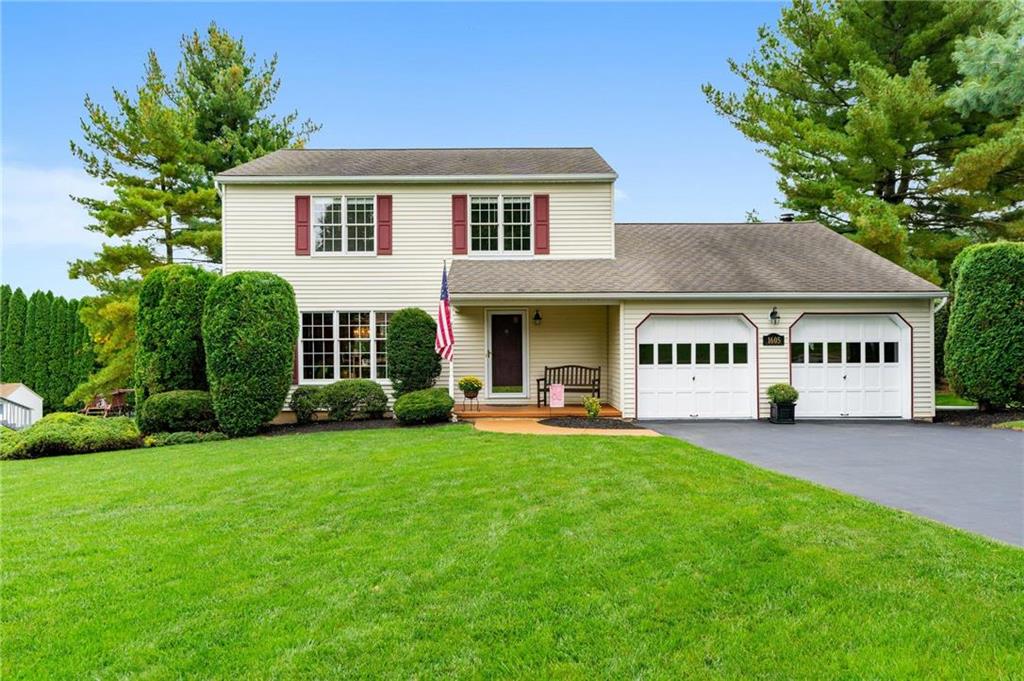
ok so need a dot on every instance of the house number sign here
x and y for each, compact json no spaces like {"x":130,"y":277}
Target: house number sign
{"x":773,"y":339}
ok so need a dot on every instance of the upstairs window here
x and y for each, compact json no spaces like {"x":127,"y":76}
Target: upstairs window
{"x":344,"y":224}
{"x":500,"y":224}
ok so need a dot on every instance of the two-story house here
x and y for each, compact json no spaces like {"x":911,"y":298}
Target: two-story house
{"x":683,"y":320}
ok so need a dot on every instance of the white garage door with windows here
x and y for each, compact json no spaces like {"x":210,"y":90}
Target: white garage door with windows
{"x":849,"y":366}
{"x":696,"y":367}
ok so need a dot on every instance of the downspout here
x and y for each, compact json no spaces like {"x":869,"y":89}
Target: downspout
{"x":941,"y":303}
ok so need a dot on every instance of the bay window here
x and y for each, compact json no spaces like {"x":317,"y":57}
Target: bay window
{"x":341,"y":344}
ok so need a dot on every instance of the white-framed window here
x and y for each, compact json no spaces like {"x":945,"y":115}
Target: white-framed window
{"x":501,"y":224}
{"x":342,"y":344}
{"x":344,"y":224}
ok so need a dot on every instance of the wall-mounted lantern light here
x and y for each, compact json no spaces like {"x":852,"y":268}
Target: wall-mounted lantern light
{"x":537,"y":319}
{"x":774,"y":315}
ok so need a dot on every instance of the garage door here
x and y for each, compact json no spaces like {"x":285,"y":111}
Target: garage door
{"x":696,"y":367}
{"x":851,"y":366}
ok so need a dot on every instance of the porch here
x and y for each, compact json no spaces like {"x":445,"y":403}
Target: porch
{"x":524,"y":411}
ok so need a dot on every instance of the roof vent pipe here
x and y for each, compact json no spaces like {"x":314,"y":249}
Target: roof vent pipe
{"x":786,"y":217}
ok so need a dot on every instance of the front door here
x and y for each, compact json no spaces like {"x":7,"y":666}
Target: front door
{"x":506,"y":356}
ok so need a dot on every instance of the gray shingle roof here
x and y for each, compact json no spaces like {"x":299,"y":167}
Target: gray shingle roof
{"x":423,"y":163}
{"x":785,"y":257}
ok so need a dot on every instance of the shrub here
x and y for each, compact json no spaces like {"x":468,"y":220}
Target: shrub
{"x":941,"y":329}
{"x":593,"y":406}
{"x":182,"y":438}
{"x":985,"y":341}
{"x":169,"y":351}
{"x":469,"y":384}
{"x":782,"y":393}
{"x":354,"y":398}
{"x":250,"y":326}
{"x":67,"y":433}
{"x":412,"y":362}
{"x":304,"y":401}
{"x":424,"y":406}
{"x":178,"y":410}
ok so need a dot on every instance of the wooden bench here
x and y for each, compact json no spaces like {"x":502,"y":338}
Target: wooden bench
{"x":575,"y":378}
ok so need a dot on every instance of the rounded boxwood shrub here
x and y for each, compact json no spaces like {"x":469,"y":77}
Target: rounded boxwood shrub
{"x":412,"y":362}
{"x":782,"y":393}
{"x":178,"y":410}
{"x":985,"y":339}
{"x":250,"y":327}
{"x":169,"y":351}
{"x":424,"y":406}
{"x":304,"y":401}
{"x":67,"y":433}
{"x":354,"y":398}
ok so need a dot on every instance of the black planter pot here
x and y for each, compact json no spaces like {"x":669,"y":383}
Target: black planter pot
{"x":783,"y":413}
{"x":471,"y":394}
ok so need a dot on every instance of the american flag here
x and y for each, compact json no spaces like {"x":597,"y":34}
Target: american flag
{"x":444,"y":340}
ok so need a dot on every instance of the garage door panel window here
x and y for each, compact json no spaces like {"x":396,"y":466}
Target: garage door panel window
{"x":853,"y":353}
{"x":664,"y":353}
{"x":815,"y":353}
{"x":703,"y":353}
{"x":796,"y":353}
{"x":835,"y":353}
{"x":721,"y":353}
{"x":646,"y":353}
{"x":892,"y":353}
{"x":739,"y":353}
{"x":871,"y":353}
{"x":683,"y":353}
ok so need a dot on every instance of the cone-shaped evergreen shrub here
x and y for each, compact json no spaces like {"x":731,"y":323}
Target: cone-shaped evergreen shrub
{"x":412,"y":362}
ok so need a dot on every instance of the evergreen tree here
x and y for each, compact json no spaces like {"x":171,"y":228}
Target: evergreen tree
{"x":848,"y":99}
{"x":13,"y":360}
{"x":158,"y":150}
{"x":56,"y":355}
{"x":35,"y":345}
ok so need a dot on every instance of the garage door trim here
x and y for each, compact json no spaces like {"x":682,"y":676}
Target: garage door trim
{"x":910,"y":359}
{"x":757,"y":352}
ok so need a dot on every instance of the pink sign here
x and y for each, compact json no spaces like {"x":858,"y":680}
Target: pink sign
{"x":556,"y":395}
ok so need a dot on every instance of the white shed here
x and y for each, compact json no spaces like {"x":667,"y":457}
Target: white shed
{"x":20,"y":406}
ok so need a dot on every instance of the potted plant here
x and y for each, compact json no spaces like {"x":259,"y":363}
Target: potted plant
{"x":783,"y":397}
{"x":470,"y":386}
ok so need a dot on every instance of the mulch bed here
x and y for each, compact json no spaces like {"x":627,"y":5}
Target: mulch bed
{"x":979,"y":419}
{"x":584,"y":422}
{"x":325,"y":426}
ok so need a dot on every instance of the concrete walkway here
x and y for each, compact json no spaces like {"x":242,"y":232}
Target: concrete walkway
{"x":534,"y":427}
{"x":971,"y":478}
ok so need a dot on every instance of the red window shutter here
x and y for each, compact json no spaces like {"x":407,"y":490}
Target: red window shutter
{"x":541,"y":224}
{"x":384,"y":225}
{"x":459,"y":241}
{"x":301,"y":225}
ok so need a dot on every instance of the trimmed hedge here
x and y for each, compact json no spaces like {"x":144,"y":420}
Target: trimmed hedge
{"x":182,"y":438}
{"x":67,"y":433}
{"x":985,"y":341}
{"x":178,"y":410}
{"x":250,"y":327}
{"x":412,"y":362}
{"x":782,"y":393}
{"x":169,"y":351}
{"x":424,"y":406}
{"x":304,"y":401}
{"x":354,"y":398}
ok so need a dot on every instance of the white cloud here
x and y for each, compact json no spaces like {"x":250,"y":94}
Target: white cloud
{"x":37,"y":208}
{"x":620,"y":195}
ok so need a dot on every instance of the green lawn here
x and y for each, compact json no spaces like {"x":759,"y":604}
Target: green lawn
{"x":444,"y":552}
{"x":945,"y":398}
{"x":1011,"y":425}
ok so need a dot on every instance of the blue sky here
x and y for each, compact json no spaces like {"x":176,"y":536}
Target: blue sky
{"x":624,"y":79}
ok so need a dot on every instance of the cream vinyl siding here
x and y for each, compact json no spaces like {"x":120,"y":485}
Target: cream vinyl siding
{"x":773,"y":362}
{"x":566,"y":335}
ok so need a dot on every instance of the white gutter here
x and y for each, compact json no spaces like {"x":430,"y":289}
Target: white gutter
{"x":634,"y":295}
{"x":410,"y":179}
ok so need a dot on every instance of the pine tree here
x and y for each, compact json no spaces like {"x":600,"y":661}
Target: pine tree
{"x":56,"y":355}
{"x":13,"y":360}
{"x":36,"y":347}
{"x":848,"y":99}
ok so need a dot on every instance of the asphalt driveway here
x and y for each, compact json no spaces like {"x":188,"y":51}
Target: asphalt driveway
{"x":972,"y":478}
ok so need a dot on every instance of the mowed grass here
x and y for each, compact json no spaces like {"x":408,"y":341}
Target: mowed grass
{"x":445,"y":552}
{"x":946,"y":398}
